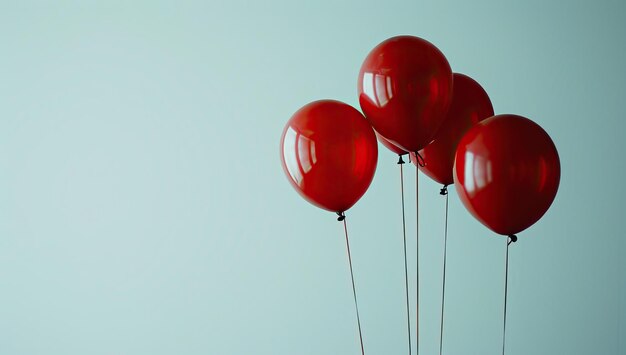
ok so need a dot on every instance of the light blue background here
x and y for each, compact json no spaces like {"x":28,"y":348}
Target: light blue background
{"x":143,"y":209}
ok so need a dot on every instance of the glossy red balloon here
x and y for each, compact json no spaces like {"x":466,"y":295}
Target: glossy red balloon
{"x":470,"y":105}
{"x":507,"y":172}
{"x":405,"y":87}
{"x":392,"y":147}
{"x":329,"y":154}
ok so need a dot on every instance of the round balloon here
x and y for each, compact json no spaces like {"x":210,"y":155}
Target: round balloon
{"x":470,"y":105}
{"x":507,"y":172}
{"x":329,"y":154}
{"x":405,"y":87}
{"x":392,"y":147}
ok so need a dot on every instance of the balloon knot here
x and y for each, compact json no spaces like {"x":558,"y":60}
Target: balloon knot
{"x":444,"y":190}
{"x":400,"y":161}
{"x":512,"y":239}
{"x":341,"y":216}
{"x":420,"y":160}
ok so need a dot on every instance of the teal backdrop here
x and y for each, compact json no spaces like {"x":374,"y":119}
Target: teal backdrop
{"x":143,"y":208}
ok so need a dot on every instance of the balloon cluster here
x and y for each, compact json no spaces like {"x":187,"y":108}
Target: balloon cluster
{"x":505,"y":167}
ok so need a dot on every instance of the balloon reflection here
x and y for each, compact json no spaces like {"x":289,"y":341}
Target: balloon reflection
{"x":302,"y":161}
{"x":378,"y":88}
{"x":477,"y":173}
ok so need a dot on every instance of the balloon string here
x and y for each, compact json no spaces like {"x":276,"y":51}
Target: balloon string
{"x":406,"y":268}
{"x":420,"y":160}
{"x":510,"y":239}
{"x":356,"y":305}
{"x":444,"y":191}
{"x":417,"y":268}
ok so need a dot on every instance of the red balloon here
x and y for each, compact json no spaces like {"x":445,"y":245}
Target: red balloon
{"x":405,"y":87}
{"x":470,"y":105}
{"x":329,"y":154}
{"x":507,"y":172}
{"x":389,"y":145}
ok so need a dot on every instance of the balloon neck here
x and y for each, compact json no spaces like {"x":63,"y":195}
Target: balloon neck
{"x":341,"y":217}
{"x":444,"y":190}
{"x":400,"y":161}
{"x":512,"y":239}
{"x":420,"y":159}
